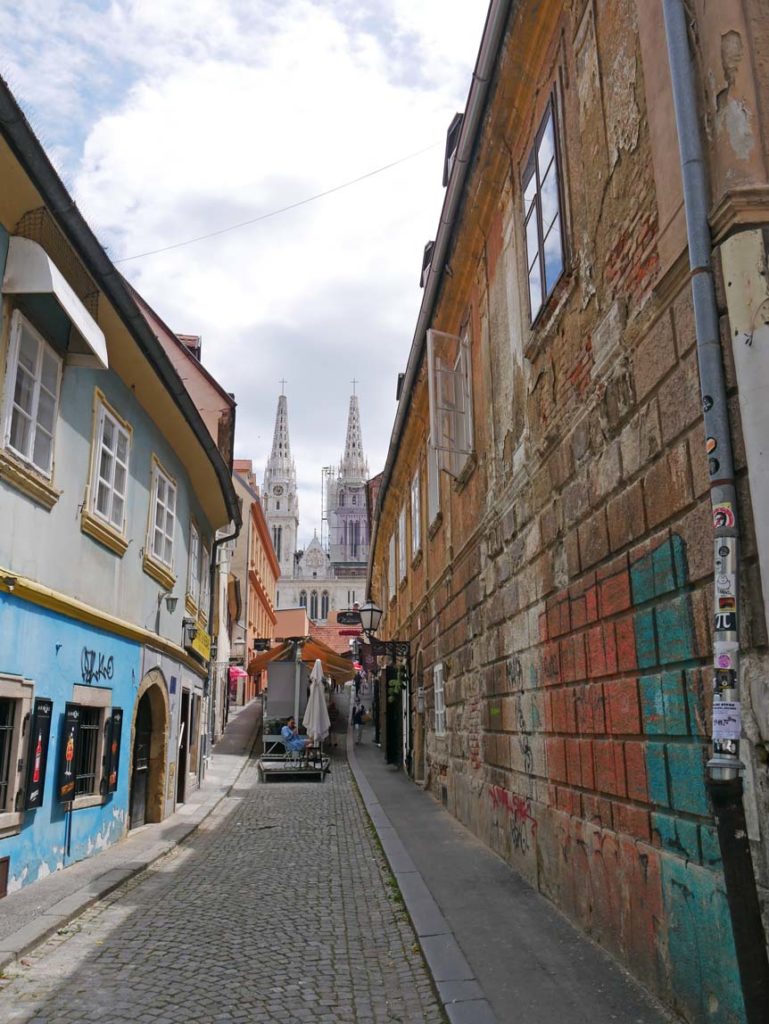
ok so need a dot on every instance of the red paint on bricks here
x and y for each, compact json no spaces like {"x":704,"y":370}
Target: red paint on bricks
{"x":633,"y":821}
{"x":635,"y":763}
{"x":615,"y":594}
{"x":624,"y":631}
{"x":622,"y":709}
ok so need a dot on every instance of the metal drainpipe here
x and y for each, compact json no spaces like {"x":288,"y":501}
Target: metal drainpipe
{"x":723,"y":775}
{"x":218,"y":541}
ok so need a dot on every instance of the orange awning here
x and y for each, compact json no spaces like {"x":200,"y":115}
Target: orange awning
{"x":340,"y":669}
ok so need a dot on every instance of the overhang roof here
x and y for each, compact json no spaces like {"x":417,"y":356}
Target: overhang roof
{"x":29,"y":270}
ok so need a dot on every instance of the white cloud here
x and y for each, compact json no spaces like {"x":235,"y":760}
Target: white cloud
{"x":199,"y":114}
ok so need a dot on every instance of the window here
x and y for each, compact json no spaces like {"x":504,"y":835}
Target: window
{"x":314,"y":604}
{"x":416,"y":513}
{"x":402,"y":544}
{"x":85,"y":757}
{"x":433,"y":484}
{"x":161,"y":542}
{"x":440,"y":701}
{"x":7,"y":724}
{"x":302,"y":598}
{"x":31,"y":397}
{"x":193,"y":567}
{"x":86,"y":760}
{"x":109,"y":473}
{"x":542,"y":214}
{"x":450,"y":391}
{"x":324,"y":605}
{"x":354,"y":499}
{"x":15,"y":703}
{"x":391,"y":568}
{"x":205,"y":584}
{"x":277,"y":540}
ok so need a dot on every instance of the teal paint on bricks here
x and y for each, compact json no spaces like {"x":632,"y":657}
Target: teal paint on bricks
{"x":646,"y":646}
{"x":642,"y":580}
{"x":677,"y":835}
{"x":686,"y":764}
{"x":675,"y":630}
{"x":692,"y":687}
{"x":674,"y":703}
{"x":656,"y":774}
{"x":652,"y":706}
{"x":711,"y":850}
{"x":705,"y":986}
{"x":680,"y":564}
{"x":663,"y":570}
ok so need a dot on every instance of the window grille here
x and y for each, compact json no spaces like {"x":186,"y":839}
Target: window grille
{"x":164,"y":518}
{"x":440,"y":701}
{"x":7,"y":721}
{"x":85,"y":765}
{"x":110,"y":472}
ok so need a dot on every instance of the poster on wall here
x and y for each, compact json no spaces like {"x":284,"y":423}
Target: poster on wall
{"x":114,"y":732}
{"x":70,"y":740}
{"x":37,"y":752}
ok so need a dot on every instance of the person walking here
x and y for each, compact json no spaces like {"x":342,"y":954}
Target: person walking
{"x":357,"y":722}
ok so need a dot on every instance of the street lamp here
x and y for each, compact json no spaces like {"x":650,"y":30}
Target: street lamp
{"x":370,"y":617}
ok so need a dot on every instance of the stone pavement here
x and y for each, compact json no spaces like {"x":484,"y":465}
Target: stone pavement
{"x":497,"y":949}
{"x":33,"y":913}
{"x":278,"y":908}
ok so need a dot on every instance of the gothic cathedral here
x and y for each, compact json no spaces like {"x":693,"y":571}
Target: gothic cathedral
{"x":322,"y":578}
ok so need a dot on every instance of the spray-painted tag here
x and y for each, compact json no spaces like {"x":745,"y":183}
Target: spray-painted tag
{"x":727,"y":719}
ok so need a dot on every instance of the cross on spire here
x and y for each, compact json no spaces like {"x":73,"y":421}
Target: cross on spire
{"x":282,"y":383}
{"x":354,"y":382}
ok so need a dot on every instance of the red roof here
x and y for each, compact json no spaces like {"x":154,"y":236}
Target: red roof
{"x":330,"y":635}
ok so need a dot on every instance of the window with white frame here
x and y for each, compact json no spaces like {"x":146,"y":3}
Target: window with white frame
{"x":391,"y":568}
{"x":542,"y":214}
{"x":193,"y":566}
{"x":109,"y":473}
{"x":402,"y":544}
{"x":161,"y":539}
{"x":31,"y":402}
{"x":433,"y":484}
{"x":416,"y":515}
{"x":440,"y":700}
{"x":205,"y":583}
{"x":450,"y":391}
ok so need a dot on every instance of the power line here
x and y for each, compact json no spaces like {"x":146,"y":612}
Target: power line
{"x":282,"y":209}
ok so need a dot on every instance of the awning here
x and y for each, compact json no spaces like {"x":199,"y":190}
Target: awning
{"x":340,"y":669}
{"x":29,"y":270}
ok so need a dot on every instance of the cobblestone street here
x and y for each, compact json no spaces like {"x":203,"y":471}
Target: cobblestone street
{"x":279,"y":908}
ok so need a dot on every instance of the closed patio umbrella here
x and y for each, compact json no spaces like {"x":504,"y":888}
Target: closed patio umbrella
{"x":316,"y":720}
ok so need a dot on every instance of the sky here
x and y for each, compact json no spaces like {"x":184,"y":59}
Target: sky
{"x":171,"y":119}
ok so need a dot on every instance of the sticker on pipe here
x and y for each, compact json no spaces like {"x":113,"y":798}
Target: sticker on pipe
{"x":725,"y":654}
{"x":727,"y":719}
{"x":723,"y":515}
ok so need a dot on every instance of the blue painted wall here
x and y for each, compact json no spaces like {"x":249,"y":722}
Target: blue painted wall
{"x":46,"y":648}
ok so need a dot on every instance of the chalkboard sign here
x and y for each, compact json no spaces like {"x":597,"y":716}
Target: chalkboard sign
{"x":37,"y":752}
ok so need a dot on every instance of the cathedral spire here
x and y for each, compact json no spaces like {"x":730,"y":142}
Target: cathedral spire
{"x":279,"y":494}
{"x":353,"y":467}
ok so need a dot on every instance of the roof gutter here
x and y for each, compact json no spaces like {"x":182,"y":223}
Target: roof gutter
{"x":493,"y":33}
{"x":30,"y":154}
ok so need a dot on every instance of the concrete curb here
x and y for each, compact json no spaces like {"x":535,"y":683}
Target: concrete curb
{"x":178,"y":827}
{"x":457,"y":987}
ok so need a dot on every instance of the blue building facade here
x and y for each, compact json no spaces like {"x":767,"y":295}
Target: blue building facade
{"x":112,"y":491}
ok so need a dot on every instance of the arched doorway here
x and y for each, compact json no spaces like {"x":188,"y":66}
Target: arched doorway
{"x":149,"y":746}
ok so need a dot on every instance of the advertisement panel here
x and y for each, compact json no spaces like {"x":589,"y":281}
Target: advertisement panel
{"x":70,"y":741}
{"x":37,"y":752}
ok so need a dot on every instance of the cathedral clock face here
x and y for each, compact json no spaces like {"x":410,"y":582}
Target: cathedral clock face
{"x":277,"y":491}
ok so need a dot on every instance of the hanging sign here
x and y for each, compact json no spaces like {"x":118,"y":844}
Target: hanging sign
{"x":114,"y":733}
{"x":37,"y":752}
{"x":70,"y":741}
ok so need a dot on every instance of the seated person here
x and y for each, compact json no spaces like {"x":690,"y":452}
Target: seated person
{"x":291,"y":738}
